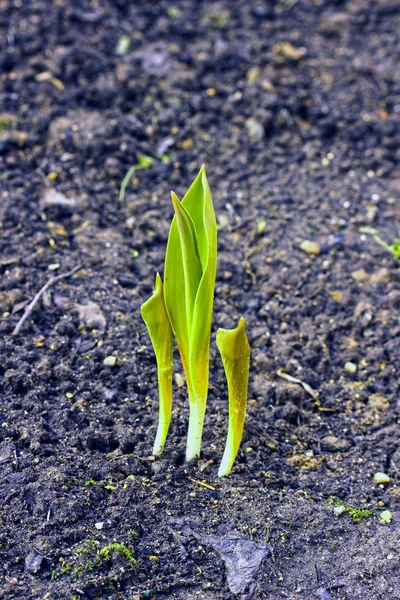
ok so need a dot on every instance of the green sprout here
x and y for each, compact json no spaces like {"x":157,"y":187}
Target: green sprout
{"x":90,"y":482}
{"x":393,"y":248}
{"x":357,"y":514}
{"x":235,"y":353}
{"x":144,"y":162}
{"x":182,"y":308}
{"x":155,"y":316}
{"x":189,"y":275}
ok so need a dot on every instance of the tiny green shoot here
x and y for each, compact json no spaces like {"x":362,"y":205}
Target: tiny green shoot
{"x":144,"y":162}
{"x":393,"y":248}
{"x":357,"y":514}
{"x":234,"y":348}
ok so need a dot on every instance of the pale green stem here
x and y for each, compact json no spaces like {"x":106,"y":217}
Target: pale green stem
{"x":235,"y":353}
{"x":165,"y":408}
{"x":197,"y":409}
{"x":197,"y":406}
{"x":230,"y":452}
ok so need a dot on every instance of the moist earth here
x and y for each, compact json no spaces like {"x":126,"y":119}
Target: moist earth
{"x":293,"y":105}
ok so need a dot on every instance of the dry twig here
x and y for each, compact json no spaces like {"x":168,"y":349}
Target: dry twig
{"x":203,"y":483}
{"x":36,"y":299}
{"x":308,"y":388}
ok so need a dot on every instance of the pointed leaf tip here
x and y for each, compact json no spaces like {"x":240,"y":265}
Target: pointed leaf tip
{"x":175,"y":200}
{"x":158,"y":281}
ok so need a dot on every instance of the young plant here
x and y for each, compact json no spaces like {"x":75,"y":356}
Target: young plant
{"x":182,"y":308}
{"x":189,"y":279}
{"x":393,"y":248}
{"x":157,"y":322}
{"x":234,"y":348}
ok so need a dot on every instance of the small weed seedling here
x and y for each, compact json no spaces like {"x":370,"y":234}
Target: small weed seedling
{"x":357,"y":514}
{"x":393,"y":248}
{"x":182,"y":309}
{"x":144,"y":162}
{"x":90,"y":557}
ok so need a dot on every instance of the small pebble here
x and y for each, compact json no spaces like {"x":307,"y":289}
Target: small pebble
{"x":331,"y":443}
{"x":350,"y":367}
{"x":267,"y":86}
{"x":223,"y":221}
{"x":99,"y":525}
{"x":385,"y":516}
{"x":179,"y":380}
{"x":254,"y":74}
{"x":130,"y":222}
{"x":310,"y":247}
{"x":381,"y":478}
{"x":339,"y":510}
{"x":110,"y":361}
{"x":360,"y":276}
{"x":380,"y":276}
{"x":336,"y":296}
{"x":52,"y":176}
{"x":255,"y":129}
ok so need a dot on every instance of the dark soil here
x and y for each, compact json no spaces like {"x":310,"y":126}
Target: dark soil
{"x":294,"y":108}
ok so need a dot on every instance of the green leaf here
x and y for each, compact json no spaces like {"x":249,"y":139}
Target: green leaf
{"x":155,"y":316}
{"x":396,"y":247}
{"x":189,"y":279}
{"x":192,"y":270}
{"x":235,"y":353}
{"x":145,"y":162}
{"x":165,"y":158}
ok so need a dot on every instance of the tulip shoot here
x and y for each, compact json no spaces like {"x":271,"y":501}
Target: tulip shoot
{"x":157,"y":322}
{"x":235,"y":353}
{"x":189,"y":279}
{"x":182,"y":308}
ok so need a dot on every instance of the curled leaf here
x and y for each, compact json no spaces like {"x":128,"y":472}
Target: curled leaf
{"x":234,"y":348}
{"x":156,"y":319}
